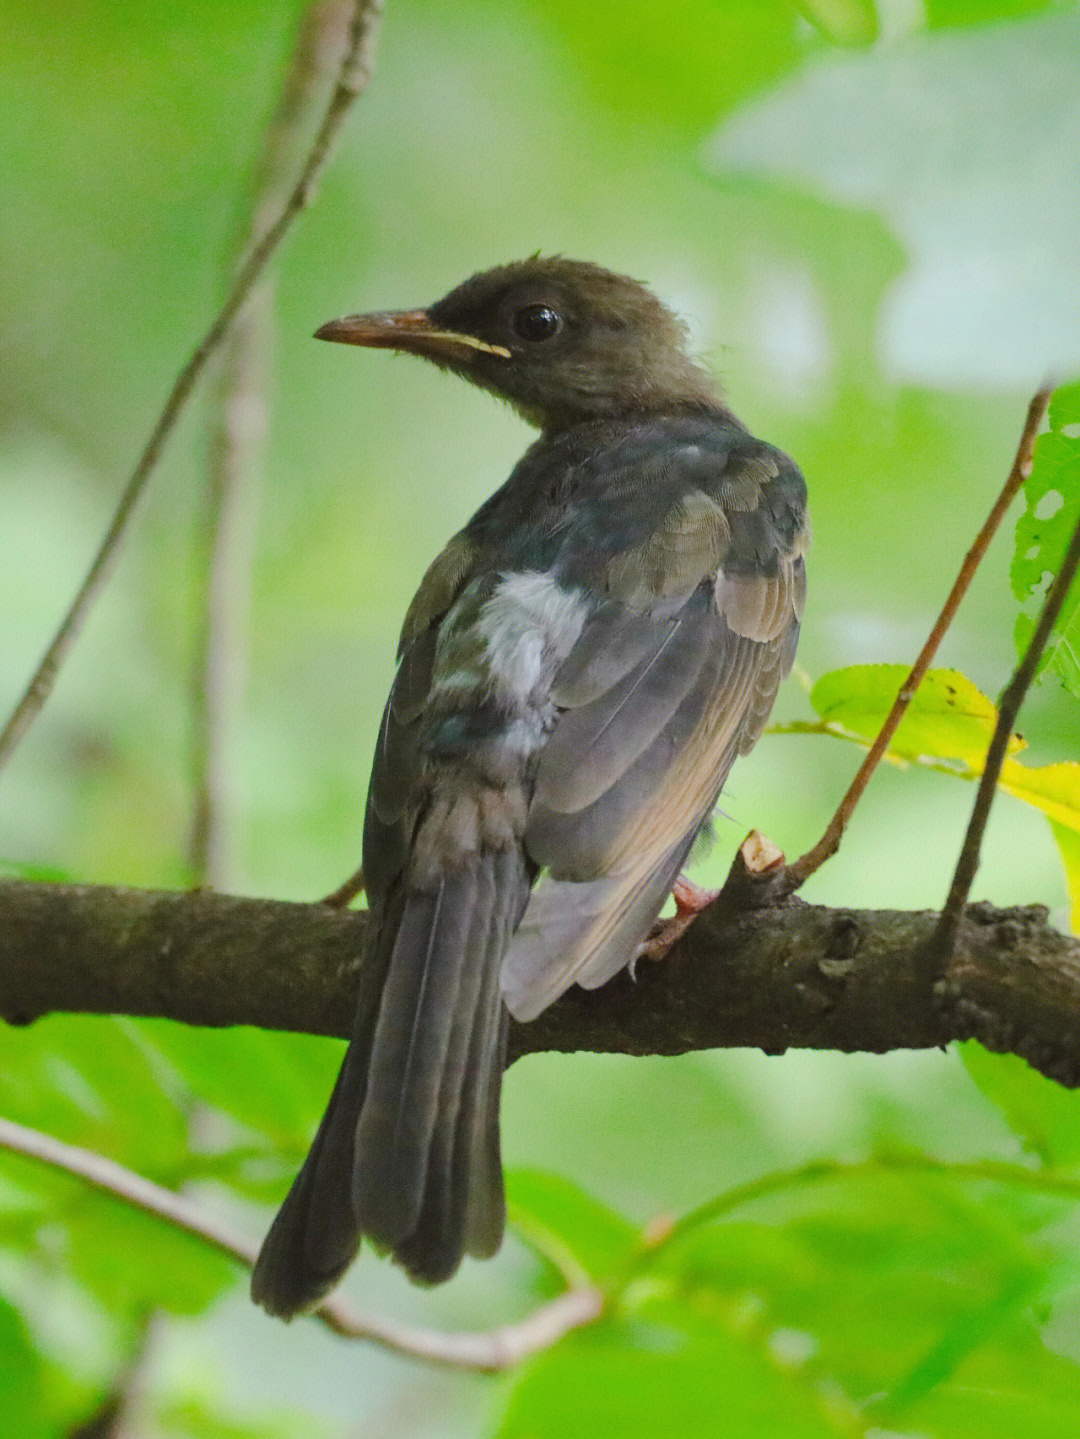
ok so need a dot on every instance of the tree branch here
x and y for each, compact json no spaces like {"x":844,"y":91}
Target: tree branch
{"x":352,"y":81}
{"x":752,"y":970}
{"x":488,"y":1352}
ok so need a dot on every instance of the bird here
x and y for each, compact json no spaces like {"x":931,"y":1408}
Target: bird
{"x":577,"y":672}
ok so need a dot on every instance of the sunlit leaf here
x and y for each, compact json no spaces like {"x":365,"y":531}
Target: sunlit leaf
{"x":949,"y":719}
{"x":948,"y":727}
{"x":1053,"y":788}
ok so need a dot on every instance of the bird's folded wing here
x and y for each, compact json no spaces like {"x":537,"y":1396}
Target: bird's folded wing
{"x":657,"y":697}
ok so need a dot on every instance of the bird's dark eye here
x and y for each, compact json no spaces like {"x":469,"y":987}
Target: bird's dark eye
{"x":537,"y":322}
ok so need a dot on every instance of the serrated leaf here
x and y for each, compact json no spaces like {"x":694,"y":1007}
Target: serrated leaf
{"x":1053,"y":788}
{"x":948,"y":728}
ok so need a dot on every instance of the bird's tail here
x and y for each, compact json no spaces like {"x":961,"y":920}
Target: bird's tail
{"x":408,"y":1150}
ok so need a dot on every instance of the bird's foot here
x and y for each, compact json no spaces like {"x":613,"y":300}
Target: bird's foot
{"x":345,"y":893}
{"x":690,"y":899}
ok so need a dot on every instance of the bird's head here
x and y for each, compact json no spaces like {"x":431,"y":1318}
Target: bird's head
{"x":562,"y":340}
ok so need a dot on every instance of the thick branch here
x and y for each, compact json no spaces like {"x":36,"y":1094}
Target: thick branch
{"x":778,"y":976}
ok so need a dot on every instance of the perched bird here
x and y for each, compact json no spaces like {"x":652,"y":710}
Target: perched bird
{"x":578,"y":671}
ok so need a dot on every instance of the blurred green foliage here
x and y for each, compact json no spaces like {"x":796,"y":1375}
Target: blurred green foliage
{"x":867,"y":1300}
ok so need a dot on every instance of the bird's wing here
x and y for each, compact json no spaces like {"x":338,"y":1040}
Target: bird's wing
{"x":398,"y":762}
{"x":672,"y":676}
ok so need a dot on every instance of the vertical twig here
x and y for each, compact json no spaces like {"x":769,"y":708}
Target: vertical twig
{"x":799,"y":872}
{"x":238,"y":431}
{"x":944,"y":937}
{"x":352,"y":80}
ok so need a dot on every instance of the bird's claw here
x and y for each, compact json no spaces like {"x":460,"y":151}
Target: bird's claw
{"x":690,"y":899}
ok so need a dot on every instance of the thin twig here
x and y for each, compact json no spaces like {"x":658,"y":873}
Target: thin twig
{"x":799,"y":872}
{"x":237,"y":432}
{"x":948,"y":925}
{"x":352,"y":80}
{"x":486,"y":1351}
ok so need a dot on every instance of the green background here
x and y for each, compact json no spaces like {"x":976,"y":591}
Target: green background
{"x":868,"y":215}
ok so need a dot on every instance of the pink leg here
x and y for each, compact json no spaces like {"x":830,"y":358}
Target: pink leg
{"x":690,"y":899}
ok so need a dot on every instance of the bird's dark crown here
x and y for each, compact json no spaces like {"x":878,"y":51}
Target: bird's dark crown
{"x":580,"y":342}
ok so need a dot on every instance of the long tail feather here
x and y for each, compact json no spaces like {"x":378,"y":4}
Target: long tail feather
{"x":407,"y":1152}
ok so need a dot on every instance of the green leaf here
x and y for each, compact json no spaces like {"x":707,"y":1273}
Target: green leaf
{"x":567,"y":1225}
{"x":1065,"y":406}
{"x":277,"y":1084}
{"x":1043,"y":532}
{"x":667,"y":1372}
{"x":22,"y":1380}
{"x":949,"y":719}
{"x":1018,"y":1391}
{"x":1068,"y":843}
{"x":1041,"y":1113}
{"x":947,"y":13}
{"x":845,"y":22}
{"x":94,"y":1082}
{"x":39,"y":873}
{"x":885,"y":1281}
{"x":132,"y":1262}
